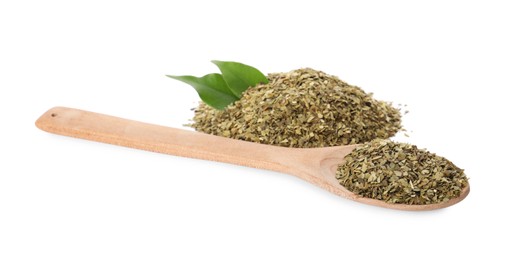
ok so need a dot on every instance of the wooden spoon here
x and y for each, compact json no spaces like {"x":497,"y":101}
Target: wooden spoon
{"x":315,"y":165}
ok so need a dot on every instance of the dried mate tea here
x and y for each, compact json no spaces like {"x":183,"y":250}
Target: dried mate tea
{"x":302,"y":108}
{"x":400,"y":173}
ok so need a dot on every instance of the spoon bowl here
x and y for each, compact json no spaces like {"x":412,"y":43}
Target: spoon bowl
{"x":315,"y":165}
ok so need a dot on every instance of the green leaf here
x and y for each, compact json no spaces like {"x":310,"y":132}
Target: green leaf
{"x":240,"y":77}
{"x":211,"y":88}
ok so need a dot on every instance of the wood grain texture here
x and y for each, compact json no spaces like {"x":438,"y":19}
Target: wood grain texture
{"x":315,"y":165}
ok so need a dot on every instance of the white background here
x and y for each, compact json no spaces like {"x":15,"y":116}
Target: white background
{"x":451,"y":62}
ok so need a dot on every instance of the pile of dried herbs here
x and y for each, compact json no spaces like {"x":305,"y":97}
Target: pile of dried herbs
{"x":400,"y":173}
{"x":302,"y":108}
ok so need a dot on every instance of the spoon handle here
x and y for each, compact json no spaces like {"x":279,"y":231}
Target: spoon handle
{"x":161,"y":139}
